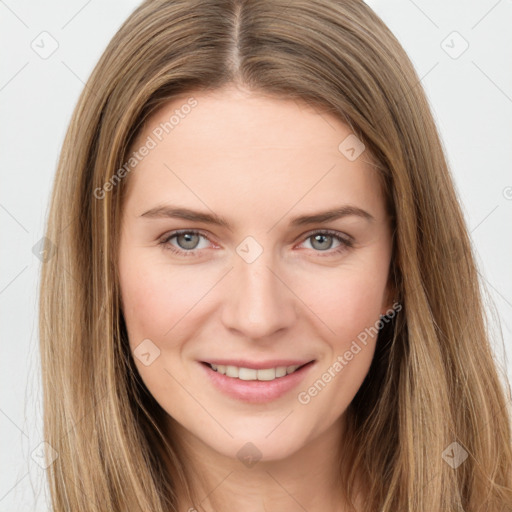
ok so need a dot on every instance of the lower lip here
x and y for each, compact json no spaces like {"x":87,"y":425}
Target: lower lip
{"x":256,"y":391}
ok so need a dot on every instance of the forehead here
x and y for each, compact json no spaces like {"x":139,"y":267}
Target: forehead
{"x":244,"y":147}
{"x":242,"y":121}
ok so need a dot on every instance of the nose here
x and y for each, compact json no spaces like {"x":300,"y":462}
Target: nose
{"x":258,"y":302}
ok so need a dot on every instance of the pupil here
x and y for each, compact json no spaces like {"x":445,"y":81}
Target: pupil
{"x":189,"y":242}
{"x":322,"y":239}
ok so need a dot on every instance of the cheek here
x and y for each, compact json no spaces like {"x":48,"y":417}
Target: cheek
{"x":346,"y":300}
{"x":156,"y":298}
{"x":331,"y":388}
{"x":349,"y":303}
{"x":157,"y":303}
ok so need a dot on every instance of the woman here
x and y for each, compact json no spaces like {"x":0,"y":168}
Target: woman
{"x":263,"y":294}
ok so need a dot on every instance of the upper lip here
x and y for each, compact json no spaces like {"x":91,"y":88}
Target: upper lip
{"x":259,"y":365}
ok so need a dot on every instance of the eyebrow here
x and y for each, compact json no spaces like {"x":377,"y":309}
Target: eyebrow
{"x":167,"y":211}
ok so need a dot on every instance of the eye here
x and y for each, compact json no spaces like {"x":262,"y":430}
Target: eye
{"x":186,"y":242}
{"x":322,"y":241}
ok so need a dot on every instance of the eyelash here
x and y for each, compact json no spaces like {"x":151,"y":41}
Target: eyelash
{"x":345,"y":242}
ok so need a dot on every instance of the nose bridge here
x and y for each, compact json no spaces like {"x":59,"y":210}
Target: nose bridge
{"x":258,"y":303}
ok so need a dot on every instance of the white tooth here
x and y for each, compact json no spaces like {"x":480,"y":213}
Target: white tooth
{"x":247,"y":373}
{"x":291,"y":369}
{"x":231,"y":371}
{"x":267,"y":374}
{"x":280,"y":371}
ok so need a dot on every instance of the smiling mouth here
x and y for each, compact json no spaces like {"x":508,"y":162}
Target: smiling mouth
{"x":252,"y":374}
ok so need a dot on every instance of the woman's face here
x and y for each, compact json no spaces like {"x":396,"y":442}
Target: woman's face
{"x":281,"y":260}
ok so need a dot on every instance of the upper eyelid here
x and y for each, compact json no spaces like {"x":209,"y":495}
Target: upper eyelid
{"x":332,"y":232}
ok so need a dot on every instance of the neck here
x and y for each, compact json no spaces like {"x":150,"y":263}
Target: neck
{"x":309,"y":479}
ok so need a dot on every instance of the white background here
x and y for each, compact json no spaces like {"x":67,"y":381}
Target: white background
{"x":471,"y":97}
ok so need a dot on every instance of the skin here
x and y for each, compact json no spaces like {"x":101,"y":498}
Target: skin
{"x":258,"y":162}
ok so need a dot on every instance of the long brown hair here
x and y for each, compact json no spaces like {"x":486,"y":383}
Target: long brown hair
{"x":433,"y":381}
